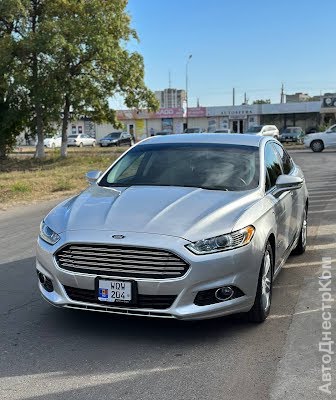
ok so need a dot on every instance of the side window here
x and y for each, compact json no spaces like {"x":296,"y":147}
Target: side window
{"x":333,"y":129}
{"x":287,"y":163}
{"x":272,"y":164}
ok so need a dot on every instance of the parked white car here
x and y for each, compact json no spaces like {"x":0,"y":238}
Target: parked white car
{"x":264,"y":130}
{"x":222,"y":131}
{"x":53,"y":142}
{"x":321,"y":140}
{"x":81,"y":140}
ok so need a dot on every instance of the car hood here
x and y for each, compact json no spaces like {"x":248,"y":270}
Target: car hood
{"x":189,"y":213}
{"x":313,"y":135}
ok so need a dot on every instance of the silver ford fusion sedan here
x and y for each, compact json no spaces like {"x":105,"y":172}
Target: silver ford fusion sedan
{"x":180,"y":226}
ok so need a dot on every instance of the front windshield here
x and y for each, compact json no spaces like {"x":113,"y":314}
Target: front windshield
{"x":207,"y":166}
{"x":292,"y":131}
{"x":114,"y":135}
{"x":254,"y":129}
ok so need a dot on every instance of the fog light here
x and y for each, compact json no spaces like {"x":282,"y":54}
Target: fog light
{"x":224,"y":293}
{"x":45,"y":282}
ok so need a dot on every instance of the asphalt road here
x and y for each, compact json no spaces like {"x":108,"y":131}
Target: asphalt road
{"x":48,"y":353}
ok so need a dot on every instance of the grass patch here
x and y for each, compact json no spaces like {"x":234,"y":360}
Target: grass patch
{"x":20,"y":187}
{"x":24,"y":179}
{"x":62,"y":185}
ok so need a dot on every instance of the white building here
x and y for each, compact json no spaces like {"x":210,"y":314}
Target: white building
{"x":171,"y":98}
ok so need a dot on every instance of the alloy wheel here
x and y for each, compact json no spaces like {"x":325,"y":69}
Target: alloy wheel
{"x":266,"y":281}
{"x":304,"y":229}
{"x":317,"y":146}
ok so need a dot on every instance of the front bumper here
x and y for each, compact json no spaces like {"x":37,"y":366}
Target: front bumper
{"x":238,"y":268}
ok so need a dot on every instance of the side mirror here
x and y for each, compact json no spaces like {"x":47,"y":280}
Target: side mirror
{"x":93,"y":176}
{"x":285,"y":183}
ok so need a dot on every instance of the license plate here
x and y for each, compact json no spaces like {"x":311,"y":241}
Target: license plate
{"x":115,"y":291}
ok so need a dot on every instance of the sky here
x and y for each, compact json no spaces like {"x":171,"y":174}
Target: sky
{"x":252,"y":45}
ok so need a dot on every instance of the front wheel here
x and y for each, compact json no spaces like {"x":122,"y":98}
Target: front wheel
{"x":262,"y":303}
{"x":317,"y":146}
{"x":80,"y":144}
{"x":302,"y":243}
{"x":93,"y":144}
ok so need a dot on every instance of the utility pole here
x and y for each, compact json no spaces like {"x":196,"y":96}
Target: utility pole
{"x":233,"y":96}
{"x":198,"y":103}
{"x":187,"y":95}
{"x":169,"y":80}
{"x":282,"y":95}
{"x":245,"y":98}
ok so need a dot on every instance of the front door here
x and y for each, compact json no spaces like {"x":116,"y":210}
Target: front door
{"x":237,"y":126}
{"x":330,"y":136}
{"x":131,"y":129}
{"x":282,"y":205}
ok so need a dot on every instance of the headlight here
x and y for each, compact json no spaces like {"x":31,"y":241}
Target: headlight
{"x":47,"y":234}
{"x":224,"y":242}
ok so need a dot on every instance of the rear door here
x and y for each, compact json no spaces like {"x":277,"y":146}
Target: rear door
{"x":282,"y":205}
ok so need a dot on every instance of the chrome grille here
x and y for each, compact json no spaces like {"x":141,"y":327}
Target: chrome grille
{"x":121,"y":261}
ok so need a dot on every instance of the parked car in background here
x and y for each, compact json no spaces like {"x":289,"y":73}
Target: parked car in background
{"x":81,"y":140}
{"x":182,"y":226}
{"x":162,"y":133}
{"x":264,"y":130}
{"x":53,"y":142}
{"x":117,"y":139}
{"x":222,"y":131}
{"x":321,"y":140}
{"x":292,"y":134}
{"x":194,"y":130}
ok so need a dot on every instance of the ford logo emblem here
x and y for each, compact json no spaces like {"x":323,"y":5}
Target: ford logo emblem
{"x":118,"y":236}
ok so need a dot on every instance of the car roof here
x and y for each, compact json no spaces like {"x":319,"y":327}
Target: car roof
{"x":235,"y":139}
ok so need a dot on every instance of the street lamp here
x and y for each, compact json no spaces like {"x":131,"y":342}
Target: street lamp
{"x":187,"y":64}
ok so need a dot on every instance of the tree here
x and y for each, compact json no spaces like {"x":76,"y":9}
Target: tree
{"x":71,"y":58}
{"x":91,"y":63}
{"x":24,"y":25}
{"x":267,"y":101}
{"x":13,"y":99}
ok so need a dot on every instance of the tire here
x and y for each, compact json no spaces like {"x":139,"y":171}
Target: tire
{"x":53,"y":145}
{"x":80,"y":144}
{"x":93,"y":144}
{"x":317,"y":146}
{"x":262,"y":303}
{"x":302,"y":243}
